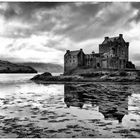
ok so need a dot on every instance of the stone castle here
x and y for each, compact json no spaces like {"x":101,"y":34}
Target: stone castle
{"x":113,"y":55}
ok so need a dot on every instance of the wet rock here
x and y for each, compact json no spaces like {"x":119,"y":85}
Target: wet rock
{"x":42,"y":76}
{"x":91,"y":135}
{"x":46,"y":74}
{"x":72,"y":126}
{"x":62,"y":130}
{"x":135,"y":129}
{"x":94,"y":120}
{"x":51,"y":131}
{"x":43,"y":118}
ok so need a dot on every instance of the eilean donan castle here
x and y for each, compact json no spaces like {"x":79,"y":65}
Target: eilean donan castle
{"x":113,"y":55}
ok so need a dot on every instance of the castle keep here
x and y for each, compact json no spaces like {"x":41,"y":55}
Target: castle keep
{"x":113,"y":55}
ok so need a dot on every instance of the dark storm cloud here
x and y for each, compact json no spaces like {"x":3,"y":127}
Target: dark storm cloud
{"x":26,"y":9}
{"x":25,"y":12}
{"x":95,"y":20}
{"x":30,"y":12}
{"x":78,"y":24}
{"x":77,"y":21}
{"x":136,"y":5}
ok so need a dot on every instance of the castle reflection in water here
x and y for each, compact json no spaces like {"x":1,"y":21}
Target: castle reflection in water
{"x":112,"y":106}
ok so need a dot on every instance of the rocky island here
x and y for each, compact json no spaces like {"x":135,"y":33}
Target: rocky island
{"x":8,"y":67}
{"x":122,"y":76}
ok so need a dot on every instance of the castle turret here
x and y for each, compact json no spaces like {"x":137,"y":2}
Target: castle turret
{"x":121,"y":35}
{"x":68,"y":51}
{"x":106,"y":37}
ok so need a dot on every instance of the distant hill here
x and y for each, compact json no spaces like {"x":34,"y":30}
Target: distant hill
{"x":45,"y":67}
{"x":138,"y":67}
{"x":8,"y":67}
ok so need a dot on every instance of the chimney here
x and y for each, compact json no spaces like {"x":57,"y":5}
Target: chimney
{"x":106,"y":37}
{"x":120,"y":35}
{"x":81,"y":49}
{"x":127,"y":43}
{"x":68,"y":51}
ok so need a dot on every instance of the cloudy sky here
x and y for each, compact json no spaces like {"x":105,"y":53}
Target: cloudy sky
{"x":42,"y":32}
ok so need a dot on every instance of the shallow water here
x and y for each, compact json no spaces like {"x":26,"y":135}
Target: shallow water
{"x":36,"y":110}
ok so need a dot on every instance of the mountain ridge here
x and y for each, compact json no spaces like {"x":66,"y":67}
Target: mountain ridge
{"x":9,"y":67}
{"x":44,"y":67}
{"x":138,"y":67}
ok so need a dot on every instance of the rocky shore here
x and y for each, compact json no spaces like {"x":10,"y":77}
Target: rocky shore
{"x":90,"y":77}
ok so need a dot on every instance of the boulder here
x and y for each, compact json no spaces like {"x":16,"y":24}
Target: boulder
{"x":46,"y":74}
{"x":42,"y":76}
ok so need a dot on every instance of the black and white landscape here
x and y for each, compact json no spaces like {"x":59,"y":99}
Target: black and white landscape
{"x":69,"y":70}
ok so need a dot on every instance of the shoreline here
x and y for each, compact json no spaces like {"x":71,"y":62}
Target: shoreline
{"x":19,"y":73}
{"x":80,"y":82}
{"x":49,"y":78}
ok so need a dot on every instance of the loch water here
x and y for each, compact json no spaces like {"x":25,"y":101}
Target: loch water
{"x":31,"y":110}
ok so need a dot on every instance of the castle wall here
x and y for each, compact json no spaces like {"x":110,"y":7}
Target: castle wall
{"x":70,"y":62}
{"x":73,"y":61}
{"x":113,"y":63}
{"x":104,"y":63}
{"x":81,"y":59}
{"x":116,"y":53}
{"x":103,"y":48}
{"x":92,"y":61}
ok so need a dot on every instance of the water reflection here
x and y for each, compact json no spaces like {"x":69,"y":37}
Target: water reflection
{"x":73,"y":98}
{"x":113,"y":105}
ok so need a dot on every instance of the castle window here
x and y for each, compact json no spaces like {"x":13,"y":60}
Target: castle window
{"x":98,"y":65}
